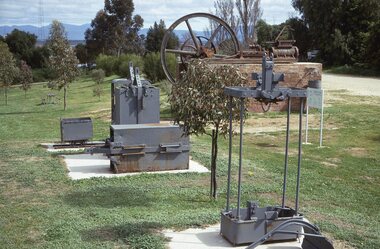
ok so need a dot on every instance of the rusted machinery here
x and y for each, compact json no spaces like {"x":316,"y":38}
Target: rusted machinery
{"x":251,"y":225}
{"x":218,"y":45}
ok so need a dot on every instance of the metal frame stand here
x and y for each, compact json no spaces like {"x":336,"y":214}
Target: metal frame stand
{"x":254,"y":224}
{"x":246,"y":225}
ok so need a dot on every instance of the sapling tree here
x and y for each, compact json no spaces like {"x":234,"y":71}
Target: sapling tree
{"x":97,"y":76}
{"x":62,"y":59}
{"x":26,"y":76}
{"x":198,"y":103}
{"x":8,"y":69}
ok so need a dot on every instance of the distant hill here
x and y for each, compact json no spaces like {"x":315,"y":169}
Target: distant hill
{"x":74,"y":32}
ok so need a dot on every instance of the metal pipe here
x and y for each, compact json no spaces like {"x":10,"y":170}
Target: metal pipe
{"x":229,"y":157}
{"x":286,"y":152}
{"x":299,"y":155}
{"x":240,"y":156}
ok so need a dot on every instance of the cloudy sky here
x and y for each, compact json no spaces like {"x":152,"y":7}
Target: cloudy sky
{"x":20,"y":12}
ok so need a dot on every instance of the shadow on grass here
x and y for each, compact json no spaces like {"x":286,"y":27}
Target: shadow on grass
{"x":130,"y":233}
{"x":266,"y":145}
{"x":17,"y":113}
{"x":109,"y":197}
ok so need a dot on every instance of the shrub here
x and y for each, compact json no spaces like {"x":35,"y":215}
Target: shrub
{"x":97,"y":75}
{"x":108,"y":63}
{"x":42,"y":74}
{"x":153,"y":68}
{"x":123,"y":64}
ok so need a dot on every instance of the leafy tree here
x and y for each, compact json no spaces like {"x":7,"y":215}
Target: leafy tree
{"x":153,"y":68}
{"x":341,"y":29}
{"x":25,"y":76}
{"x":373,"y":49}
{"x":8,"y":69}
{"x":39,"y":58}
{"x":81,"y":53}
{"x":21,"y":44}
{"x":97,"y":76}
{"x":114,"y":30}
{"x":155,"y":35}
{"x":198,"y":102}
{"x":62,"y":59}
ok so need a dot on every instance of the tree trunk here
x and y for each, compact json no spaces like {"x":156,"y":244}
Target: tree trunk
{"x":214,"y":156}
{"x":64,"y":98}
{"x":6,"y":95}
{"x":25,"y":94}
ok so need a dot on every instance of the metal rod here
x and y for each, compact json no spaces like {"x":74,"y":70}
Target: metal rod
{"x":321,"y":121}
{"x":307,"y":123}
{"x":192,"y":35}
{"x":240,"y":156}
{"x":299,"y":156}
{"x":286,"y":152}
{"x":229,"y":157}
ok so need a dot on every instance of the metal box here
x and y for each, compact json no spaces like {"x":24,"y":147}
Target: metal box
{"x":134,"y":105}
{"x":256,"y":223}
{"x":76,"y":130}
{"x":148,"y":147}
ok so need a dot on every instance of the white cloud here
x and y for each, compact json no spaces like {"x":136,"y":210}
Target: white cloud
{"x":19,"y":12}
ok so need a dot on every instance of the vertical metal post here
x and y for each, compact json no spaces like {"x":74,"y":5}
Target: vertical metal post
{"x":286,"y":152}
{"x":307,"y":123}
{"x":240,"y":155}
{"x":321,"y":121}
{"x":229,"y":158}
{"x":299,"y":155}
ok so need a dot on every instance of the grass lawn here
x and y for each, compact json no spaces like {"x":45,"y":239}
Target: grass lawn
{"x":41,"y":208}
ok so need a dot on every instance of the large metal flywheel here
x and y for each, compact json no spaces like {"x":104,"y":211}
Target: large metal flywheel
{"x":216,"y":39}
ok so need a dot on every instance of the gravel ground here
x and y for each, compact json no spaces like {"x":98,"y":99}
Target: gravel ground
{"x":355,"y":85}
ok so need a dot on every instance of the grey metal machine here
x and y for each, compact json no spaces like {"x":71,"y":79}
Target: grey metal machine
{"x":134,"y":101}
{"x":254,"y":224}
{"x":138,"y":141}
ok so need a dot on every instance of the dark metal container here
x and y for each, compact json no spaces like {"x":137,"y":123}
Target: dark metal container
{"x":76,"y":130}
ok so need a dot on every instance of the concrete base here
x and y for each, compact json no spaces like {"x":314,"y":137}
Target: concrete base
{"x":197,"y":238}
{"x":84,"y":166}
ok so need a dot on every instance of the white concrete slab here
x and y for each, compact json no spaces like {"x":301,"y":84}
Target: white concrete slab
{"x":84,"y":166}
{"x":198,"y":238}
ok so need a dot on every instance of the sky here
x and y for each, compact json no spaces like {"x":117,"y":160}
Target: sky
{"x":27,"y":12}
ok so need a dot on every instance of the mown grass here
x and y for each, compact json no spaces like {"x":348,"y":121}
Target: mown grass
{"x":41,"y":208}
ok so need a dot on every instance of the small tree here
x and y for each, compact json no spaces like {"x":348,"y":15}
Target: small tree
{"x":62,"y":59}
{"x":8,"y":69}
{"x":97,"y":76}
{"x":26,"y":76}
{"x":198,"y":102}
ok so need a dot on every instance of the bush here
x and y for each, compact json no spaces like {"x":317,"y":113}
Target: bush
{"x":97,"y":75}
{"x":108,"y":63}
{"x":153,"y":68}
{"x":123,"y":64}
{"x":42,"y":74}
{"x":118,"y":65}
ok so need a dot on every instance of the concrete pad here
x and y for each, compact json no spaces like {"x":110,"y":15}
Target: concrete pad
{"x":84,"y":166}
{"x":198,"y":238}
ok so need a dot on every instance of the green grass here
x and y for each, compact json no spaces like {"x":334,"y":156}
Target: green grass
{"x":41,"y":208}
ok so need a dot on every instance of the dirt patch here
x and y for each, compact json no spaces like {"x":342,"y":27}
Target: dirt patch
{"x":102,"y":114}
{"x":274,"y":124}
{"x":357,"y":152}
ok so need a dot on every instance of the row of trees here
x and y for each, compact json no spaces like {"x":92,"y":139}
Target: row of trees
{"x":62,"y":60}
